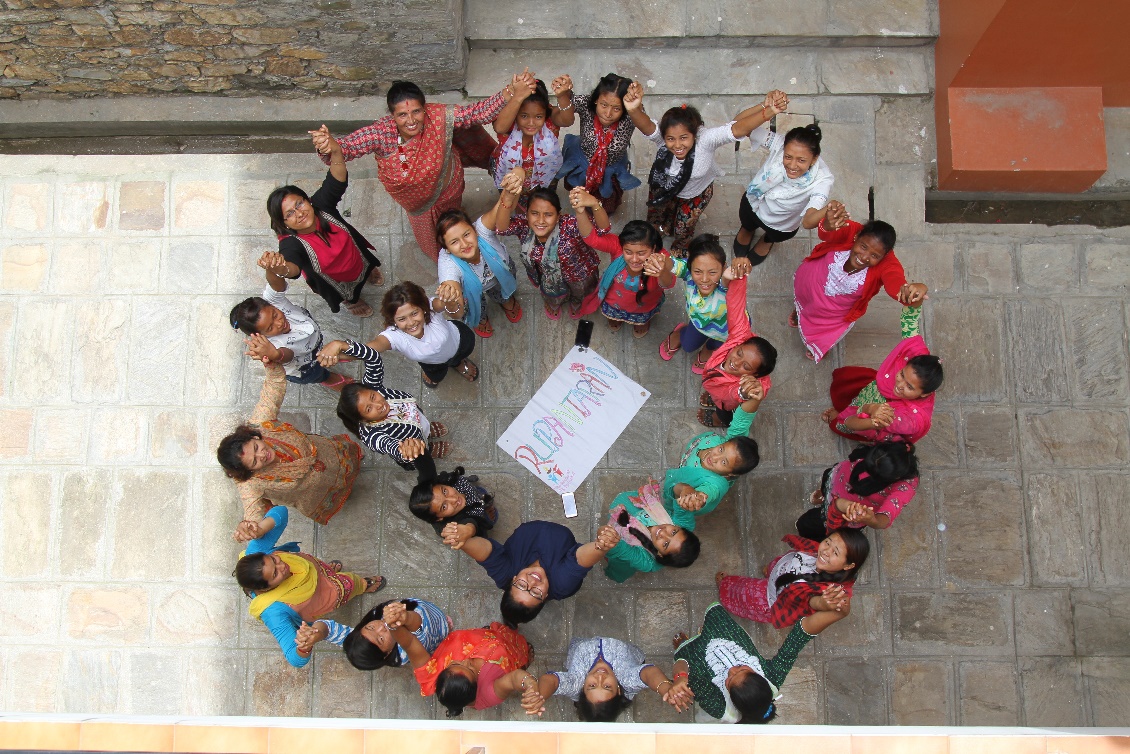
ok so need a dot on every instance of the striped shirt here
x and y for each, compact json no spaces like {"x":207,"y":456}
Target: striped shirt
{"x":405,"y":419}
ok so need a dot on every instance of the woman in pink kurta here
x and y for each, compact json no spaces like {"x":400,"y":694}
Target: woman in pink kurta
{"x":420,"y":156}
{"x":834,"y":284}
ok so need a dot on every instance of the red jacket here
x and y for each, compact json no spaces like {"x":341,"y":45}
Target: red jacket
{"x":721,"y":386}
{"x":888,"y":272}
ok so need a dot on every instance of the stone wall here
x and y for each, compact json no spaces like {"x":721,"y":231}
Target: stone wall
{"x":284,"y":48}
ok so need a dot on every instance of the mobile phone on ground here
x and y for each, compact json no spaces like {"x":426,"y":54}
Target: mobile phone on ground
{"x":570,"y":504}
{"x":584,"y":333}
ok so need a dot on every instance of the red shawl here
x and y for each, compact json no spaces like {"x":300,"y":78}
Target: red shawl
{"x":429,"y":161}
{"x":792,"y":601}
{"x":888,"y":272}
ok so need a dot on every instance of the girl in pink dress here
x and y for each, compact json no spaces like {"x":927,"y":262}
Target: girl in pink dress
{"x":834,"y":284}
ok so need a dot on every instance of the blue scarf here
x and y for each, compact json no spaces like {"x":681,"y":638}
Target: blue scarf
{"x":609,"y":276}
{"x":473,"y":287}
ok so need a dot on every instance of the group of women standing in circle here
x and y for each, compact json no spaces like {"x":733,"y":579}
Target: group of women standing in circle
{"x":421,"y":151}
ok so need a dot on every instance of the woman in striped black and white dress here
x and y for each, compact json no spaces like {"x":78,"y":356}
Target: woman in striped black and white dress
{"x":387,"y":421}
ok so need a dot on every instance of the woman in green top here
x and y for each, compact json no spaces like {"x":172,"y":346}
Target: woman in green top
{"x":711,"y":462}
{"x":731,"y":680}
{"x":653,"y":534}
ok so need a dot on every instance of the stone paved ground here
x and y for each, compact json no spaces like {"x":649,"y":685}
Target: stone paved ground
{"x":998,"y":598}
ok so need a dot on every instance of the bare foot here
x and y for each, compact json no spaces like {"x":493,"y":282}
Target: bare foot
{"x":679,"y":639}
{"x":829,"y":415}
{"x":719,"y":576}
{"x":614,"y":325}
{"x":376,"y":277}
{"x":816,"y":498}
{"x":360,"y":309}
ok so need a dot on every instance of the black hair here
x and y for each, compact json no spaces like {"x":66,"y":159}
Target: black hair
{"x":929,"y":369}
{"x":882,"y":232}
{"x":449,"y":220}
{"x":514,"y":612}
{"x":540,"y":95}
{"x":753,"y":697}
{"x":402,"y":91}
{"x":884,"y":464}
{"x":230,"y":448}
{"x":249,"y":572}
{"x":455,"y":691}
{"x":686,"y":116}
{"x":706,"y":244}
{"x":364,"y":654}
{"x":546,"y":195}
{"x":768,"y":355}
{"x":401,"y":294}
{"x":748,"y":455}
{"x":278,"y":222}
{"x":682,"y":558}
{"x":807,"y":136}
{"x":641,"y":231}
{"x":858,"y":548}
{"x":610,"y":84}
{"x":601,"y":712}
{"x":420,"y":499}
{"x":245,"y":315}
{"x":347,"y":407}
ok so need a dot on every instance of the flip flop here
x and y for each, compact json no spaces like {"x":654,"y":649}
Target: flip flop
{"x":637,"y":333}
{"x":665,"y":351}
{"x":554,"y":315}
{"x":336,"y":565}
{"x":794,"y":320}
{"x":465,"y":368}
{"x":438,"y":430}
{"x":708,"y":417}
{"x":376,"y":277}
{"x":428,"y":381}
{"x":705,"y":401}
{"x":614,"y":325}
{"x":513,"y":314}
{"x":484,"y":329}
{"x":360,"y":309}
{"x":337,"y":384}
{"x":438,"y":449}
{"x":380,"y":581}
{"x":698,"y":367}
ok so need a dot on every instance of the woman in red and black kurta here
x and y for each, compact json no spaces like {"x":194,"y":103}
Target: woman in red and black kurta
{"x":315,"y":240}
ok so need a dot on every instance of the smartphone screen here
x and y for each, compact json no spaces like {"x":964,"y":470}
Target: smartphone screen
{"x":570,"y":504}
{"x":584,"y":333}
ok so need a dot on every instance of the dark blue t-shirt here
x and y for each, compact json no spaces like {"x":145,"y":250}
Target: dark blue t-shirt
{"x":552,"y":544}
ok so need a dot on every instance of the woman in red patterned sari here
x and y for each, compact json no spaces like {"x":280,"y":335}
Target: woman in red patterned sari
{"x":421,"y":150}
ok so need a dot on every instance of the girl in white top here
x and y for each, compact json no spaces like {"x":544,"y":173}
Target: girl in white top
{"x":682,"y":176}
{"x":788,"y":191}
{"x":435,"y":343}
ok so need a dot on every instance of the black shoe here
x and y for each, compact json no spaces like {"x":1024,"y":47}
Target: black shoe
{"x":740,"y":250}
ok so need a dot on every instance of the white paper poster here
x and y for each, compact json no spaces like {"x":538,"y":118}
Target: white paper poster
{"x":574,"y":418}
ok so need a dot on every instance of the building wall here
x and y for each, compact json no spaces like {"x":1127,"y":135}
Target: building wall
{"x":285,"y":48}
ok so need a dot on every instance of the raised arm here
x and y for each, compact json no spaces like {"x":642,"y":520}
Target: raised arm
{"x":327,"y":145}
{"x":563,"y":115}
{"x":498,"y":217}
{"x":271,"y":395}
{"x":521,"y":87}
{"x":582,"y":201}
{"x":374,"y":375}
{"x":417,"y":656}
{"x":380,"y":138}
{"x":483,"y":111}
{"x":775,"y":102}
{"x":592,"y":553}
{"x":633,"y":103}
{"x":479,"y":548}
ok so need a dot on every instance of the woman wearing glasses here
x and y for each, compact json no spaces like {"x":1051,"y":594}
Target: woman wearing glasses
{"x":540,"y":561}
{"x":316,"y":241}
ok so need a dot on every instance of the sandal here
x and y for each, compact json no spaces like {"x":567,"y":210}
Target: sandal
{"x":337,"y":382}
{"x":468,"y":370}
{"x":666,"y":352}
{"x":437,"y":449}
{"x":374,"y":584}
{"x":614,"y":325}
{"x":698,"y":367}
{"x":794,"y":319}
{"x":756,"y":259}
{"x":438,"y":430}
{"x":708,"y":417}
{"x":360,"y":309}
{"x":705,"y":400}
{"x":376,"y":277}
{"x":514,"y":313}
{"x":484,"y":328}
{"x":428,"y":383}
{"x":336,"y":565}
{"x":553,"y":314}
{"x":639,"y":331}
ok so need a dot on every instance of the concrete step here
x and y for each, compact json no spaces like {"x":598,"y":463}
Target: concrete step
{"x":739,"y":23}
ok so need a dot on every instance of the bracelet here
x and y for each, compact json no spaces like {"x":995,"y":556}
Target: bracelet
{"x":337,"y":163}
{"x":682,"y":675}
{"x":660,"y":684}
{"x":564,"y":107}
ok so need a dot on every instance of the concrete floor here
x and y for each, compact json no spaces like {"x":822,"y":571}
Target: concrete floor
{"x":997,"y":598}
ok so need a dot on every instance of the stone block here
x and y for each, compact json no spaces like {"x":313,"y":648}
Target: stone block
{"x":190,"y":267}
{"x":39,"y":672}
{"x":844,"y":704}
{"x":988,"y":694}
{"x":108,"y":615}
{"x":148,"y":688}
{"x":199,"y":205}
{"x":874,"y":71}
{"x":117,"y":435}
{"x":904,"y":131}
{"x":27,"y":523}
{"x":941,"y":623}
{"x":238,"y":273}
{"x":78,"y":267}
{"x":1108,"y":680}
{"x":638,"y":446}
{"x":83,"y":207}
{"x":27,"y":207}
{"x":23,"y":267}
{"x":133,"y":266}
{"x":990,"y":437}
{"x":213,"y":355}
{"x":339,"y":690}
{"x":930,"y":263}
{"x":603,"y":610}
{"x":910,"y":545}
{"x":989,"y":268}
{"x":808,"y":442}
{"x":173,"y":435}
{"x":658,"y":616}
{"x":1053,"y":694}
{"x":1035,"y":331}
{"x":1107,"y":496}
{"x":1102,"y":621}
{"x":1043,"y":621}
{"x":900,"y":199}
{"x":397,"y":696}
{"x":141,"y":205}
{"x":93,"y":680}
{"x":795,"y":377}
{"x":1068,"y":437}
{"x":249,"y":212}
{"x":775,"y":502}
{"x":16,"y":439}
{"x":870,"y":622}
{"x":920,"y":693}
{"x":968,"y":336}
{"x":157,"y":365}
{"x":218,"y":678}
{"x":277,"y":689}
{"x":872,"y":338}
{"x":1106,"y":267}
{"x":51,"y":425}
{"x":82,"y":530}
{"x":42,"y":364}
{"x":849,"y":149}
{"x":7,"y":335}
{"x":1049,"y":268}
{"x":1096,"y":361}
{"x":1055,"y":530}
{"x":196,"y":615}
{"x":414,"y":556}
{"x":101,"y":351}
{"x":145,"y":547}
{"x":984,"y":540}
{"x":940,"y":448}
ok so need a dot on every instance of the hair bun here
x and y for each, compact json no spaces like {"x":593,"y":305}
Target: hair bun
{"x":815,"y":129}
